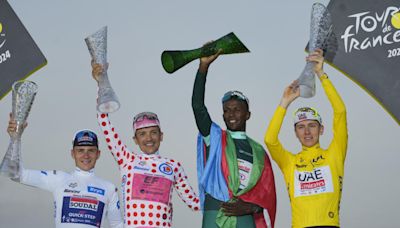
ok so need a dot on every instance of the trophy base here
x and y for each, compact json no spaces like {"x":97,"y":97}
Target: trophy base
{"x":108,"y":107}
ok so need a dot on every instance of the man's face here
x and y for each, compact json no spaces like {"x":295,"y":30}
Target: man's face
{"x":148,"y":139}
{"x":235,"y":115}
{"x":308,"y":132}
{"x":85,"y":156}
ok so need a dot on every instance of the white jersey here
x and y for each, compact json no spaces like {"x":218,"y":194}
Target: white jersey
{"x":147,"y":183}
{"x":81,"y":199}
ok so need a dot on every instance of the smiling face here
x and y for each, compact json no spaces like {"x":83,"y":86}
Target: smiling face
{"x":85,"y":156}
{"x":308,"y":132}
{"x":148,"y":139}
{"x":236,"y":113}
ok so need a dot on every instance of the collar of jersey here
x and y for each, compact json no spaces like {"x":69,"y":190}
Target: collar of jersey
{"x":238,"y":134}
{"x":81,"y":172}
{"x":157,"y":153}
{"x":315,"y":147}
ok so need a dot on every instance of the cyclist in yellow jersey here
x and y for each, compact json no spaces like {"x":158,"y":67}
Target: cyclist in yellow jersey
{"x":314,"y":176}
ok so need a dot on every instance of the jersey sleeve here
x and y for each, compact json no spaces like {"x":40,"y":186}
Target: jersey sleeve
{"x":184,"y":189}
{"x":113,"y":212}
{"x":201,"y":115}
{"x":119,"y":150}
{"x":339,"y":140}
{"x":280,"y":155}
{"x":46,"y":180}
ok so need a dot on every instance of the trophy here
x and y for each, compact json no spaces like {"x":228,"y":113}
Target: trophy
{"x":97,"y":44}
{"x":23,"y":94}
{"x":320,"y":31}
{"x":174,"y":60}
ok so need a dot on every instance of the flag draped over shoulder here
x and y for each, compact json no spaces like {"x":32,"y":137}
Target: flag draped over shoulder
{"x":19,"y":54}
{"x":218,"y":176}
{"x":365,"y":46}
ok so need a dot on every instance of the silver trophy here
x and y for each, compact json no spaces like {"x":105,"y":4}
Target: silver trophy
{"x":97,"y":44}
{"x":320,"y":31}
{"x":23,"y":94}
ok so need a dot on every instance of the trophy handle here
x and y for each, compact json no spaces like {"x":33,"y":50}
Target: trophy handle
{"x":108,"y":101}
{"x":307,"y":81}
{"x":174,"y":60}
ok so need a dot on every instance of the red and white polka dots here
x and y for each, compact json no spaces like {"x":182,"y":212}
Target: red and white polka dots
{"x":147,"y":183}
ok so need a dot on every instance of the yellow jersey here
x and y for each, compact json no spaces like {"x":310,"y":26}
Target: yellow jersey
{"x":314,"y":176}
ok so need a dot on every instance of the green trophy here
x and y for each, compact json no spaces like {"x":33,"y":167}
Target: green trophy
{"x":174,"y":60}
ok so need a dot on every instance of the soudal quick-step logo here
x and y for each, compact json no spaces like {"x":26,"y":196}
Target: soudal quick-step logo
{"x":370,"y":29}
{"x":4,"y":54}
{"x":83,"y":203}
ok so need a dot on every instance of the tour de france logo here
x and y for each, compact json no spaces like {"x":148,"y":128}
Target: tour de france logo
{"x":2,"y":36}
{"x":4,"y":54}
{"x":368,"y":29}
{"x":396,"y":20}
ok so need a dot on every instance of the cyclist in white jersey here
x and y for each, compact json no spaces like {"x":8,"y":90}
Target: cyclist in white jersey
{"x":81,"y":199}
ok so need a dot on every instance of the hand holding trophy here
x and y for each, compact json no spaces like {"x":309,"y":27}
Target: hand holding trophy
{"x":23,"y":94}
{"x":97,"y":45}
{"x":174,"y":60}
{"x":320,"y":31}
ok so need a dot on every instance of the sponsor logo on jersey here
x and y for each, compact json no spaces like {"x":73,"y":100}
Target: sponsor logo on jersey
{"x":96,"y":190}
{"x":142,"y":163}
{"x":151,"y":188}
{"x":141,"y":168}
{"x":166,"y":169}
{"x":318,"y":160}
{"x":245,"y":153}
{"x":71,"y":191}
{"x":316,"y":181}
{"x":123,"y":180}
{"x":43,"y":172}
{"x":82,"y":210}
{"x":73,"y":185}
{"x":83,"y":203}
{"x":301,"y":166}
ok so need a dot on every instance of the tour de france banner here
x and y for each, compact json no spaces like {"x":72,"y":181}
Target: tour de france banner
{"x":19,"y":54}
{"x":367,"y":33}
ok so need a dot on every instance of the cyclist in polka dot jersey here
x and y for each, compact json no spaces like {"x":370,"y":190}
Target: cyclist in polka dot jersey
{"x":148,"y":179}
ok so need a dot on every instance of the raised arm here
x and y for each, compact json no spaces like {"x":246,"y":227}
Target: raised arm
{"x":120,"y":152}
{"x":277,"y":151}
{"x":339,"y":118}
{"x":339,"y":109}
{"x":203,"y":119}
{"x":40,"y":179}
{"x":118,"y":149}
